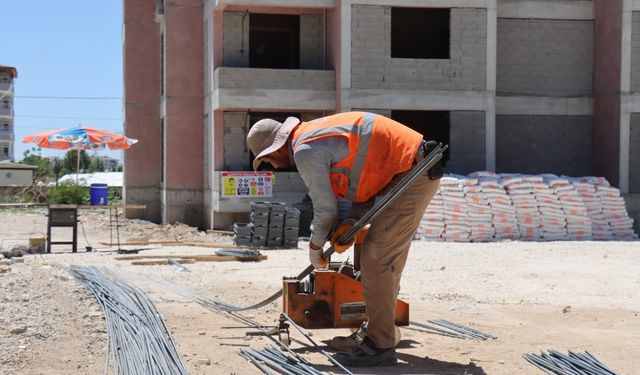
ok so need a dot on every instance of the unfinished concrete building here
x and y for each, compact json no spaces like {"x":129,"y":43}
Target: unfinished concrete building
{"x":7,"y":76}
{"x":527,"y":86}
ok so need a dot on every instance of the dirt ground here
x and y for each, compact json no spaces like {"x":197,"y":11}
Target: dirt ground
{"x":533,"y":296}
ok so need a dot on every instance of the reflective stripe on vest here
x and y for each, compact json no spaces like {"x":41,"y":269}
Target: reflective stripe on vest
{"x":363,"y":131}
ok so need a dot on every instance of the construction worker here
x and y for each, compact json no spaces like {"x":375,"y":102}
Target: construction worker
{"x":355,"y":156}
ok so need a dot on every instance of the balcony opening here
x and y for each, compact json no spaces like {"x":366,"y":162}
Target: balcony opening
{"x":433,"y":125}
{"x":278,"y":116}
{"x":5,"y":127}
{"x":420,"y":33}
{"x":5,"y":150}
{"x":274,"y":41}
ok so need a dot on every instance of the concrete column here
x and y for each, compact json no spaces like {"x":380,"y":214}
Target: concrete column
{"x":490,"y":111}
{"x":344,"y":69}
{"x":184,"y":135}
{"x":625,"y":89}
{"x":608,"y":31}
{"x":141,"y":110}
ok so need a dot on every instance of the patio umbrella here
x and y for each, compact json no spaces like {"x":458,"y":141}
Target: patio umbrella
{"x":80,"y":138}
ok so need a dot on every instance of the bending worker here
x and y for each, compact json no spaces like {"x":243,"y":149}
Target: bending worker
{"x":356,"y":155}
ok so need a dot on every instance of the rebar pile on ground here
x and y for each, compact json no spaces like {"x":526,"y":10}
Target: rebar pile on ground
{"x":554,"y":362}
{"x":138,"y":338}
{"x":278,"y":361}
{"x":450,"y":329}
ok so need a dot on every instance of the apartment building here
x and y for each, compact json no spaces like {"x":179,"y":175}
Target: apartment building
{"x":523,"y":86}
{"x":7,"y":76}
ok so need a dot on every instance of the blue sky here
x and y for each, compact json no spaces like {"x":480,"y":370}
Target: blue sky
{"x":68,"y":48}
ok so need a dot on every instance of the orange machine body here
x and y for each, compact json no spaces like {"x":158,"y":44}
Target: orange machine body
{"x":330,"y":299}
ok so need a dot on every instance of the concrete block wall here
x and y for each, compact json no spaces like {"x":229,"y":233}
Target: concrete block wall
{"x":634,"y":154}
{"x":466,"y":142}
{"x":235,"y":40}
{"x":236,"y":152}
{"x":373,"y":68}
{"x":635,"y":52}
{"x":544,"y":57}
{"x":235,"y":44}
{"x":290,"y":79}
{"x":544,"y":144}
{"x":311,"y":41}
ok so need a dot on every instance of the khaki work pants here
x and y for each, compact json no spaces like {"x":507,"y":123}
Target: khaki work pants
{"x":384,"y":255}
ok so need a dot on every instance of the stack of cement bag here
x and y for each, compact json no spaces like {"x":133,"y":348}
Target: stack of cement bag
{"x":479,"y":211}
{"x":520,"y":189}
{"x":503,"y":213}
{"x":485,"y":206}
{"x":586,"y":188}
{"x":578,"y":223}
{"x":610,"y":219}
{"x":271,"y":225}
{"x":553,"y":220}
{"x":432,"y":223}
{"x":456,"y":224}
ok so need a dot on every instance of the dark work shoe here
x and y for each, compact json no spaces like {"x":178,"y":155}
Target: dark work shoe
{"x":367,"y":355}
{"x":347,"y":343}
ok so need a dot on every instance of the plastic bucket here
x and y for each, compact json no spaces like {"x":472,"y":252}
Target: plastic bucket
{"x":98,"y":194}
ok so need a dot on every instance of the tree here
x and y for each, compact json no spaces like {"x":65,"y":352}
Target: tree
{"x":97,"y":165}
{"x":70,"y":160}
{"x":30,"y":158}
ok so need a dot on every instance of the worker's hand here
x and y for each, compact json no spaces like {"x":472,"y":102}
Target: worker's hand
{"x":343,"y":228}
{"x":316,"y":259}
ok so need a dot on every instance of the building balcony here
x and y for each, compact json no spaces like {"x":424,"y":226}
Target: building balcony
{"x":6,"y":112}
{"x":264,"y":89}
{"x":278,"y":3}
{"x":6,"y":135}
{"x":5,"y":86}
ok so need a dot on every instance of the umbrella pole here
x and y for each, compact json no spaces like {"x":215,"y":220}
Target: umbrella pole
{"x":77,"y":166}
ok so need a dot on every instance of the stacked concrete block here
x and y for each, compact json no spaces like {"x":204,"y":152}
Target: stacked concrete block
{"x":276,"y":224}
{"x":260,"y":219}
{"x":291,"y":228}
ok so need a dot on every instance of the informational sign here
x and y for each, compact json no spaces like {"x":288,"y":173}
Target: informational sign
{"x":247,"y":184}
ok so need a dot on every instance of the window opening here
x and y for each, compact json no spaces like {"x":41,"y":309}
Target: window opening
{"x":433,"y":125}
{"x":274,"y":41}
{"x":420,"y":33}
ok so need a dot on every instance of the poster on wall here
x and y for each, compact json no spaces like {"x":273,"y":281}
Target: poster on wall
{"x":247,"y":184}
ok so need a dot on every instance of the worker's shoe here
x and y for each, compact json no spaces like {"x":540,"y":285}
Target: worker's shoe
{"x":347,"y":343}
{"x":367,"y":355}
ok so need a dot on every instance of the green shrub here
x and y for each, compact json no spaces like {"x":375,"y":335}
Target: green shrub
{"x":68,"y":192}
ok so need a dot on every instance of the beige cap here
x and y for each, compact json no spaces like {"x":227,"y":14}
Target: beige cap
{"x":267,"y":136}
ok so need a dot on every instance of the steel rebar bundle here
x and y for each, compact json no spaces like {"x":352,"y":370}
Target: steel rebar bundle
{"x":554,"y":362}
{"x":274,"y":359}
{"x":139,"y":341}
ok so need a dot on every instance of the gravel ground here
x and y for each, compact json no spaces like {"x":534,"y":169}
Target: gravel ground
{"x":532,"y":296}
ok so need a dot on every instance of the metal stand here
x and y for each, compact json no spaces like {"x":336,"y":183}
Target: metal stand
{"x":113,"y":216}
{"x":63,"y":215}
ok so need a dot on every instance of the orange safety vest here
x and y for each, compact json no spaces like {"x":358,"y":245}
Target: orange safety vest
{"x":379,"y":148}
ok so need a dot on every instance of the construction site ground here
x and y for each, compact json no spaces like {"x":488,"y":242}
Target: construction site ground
{"x":532,"y":295}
